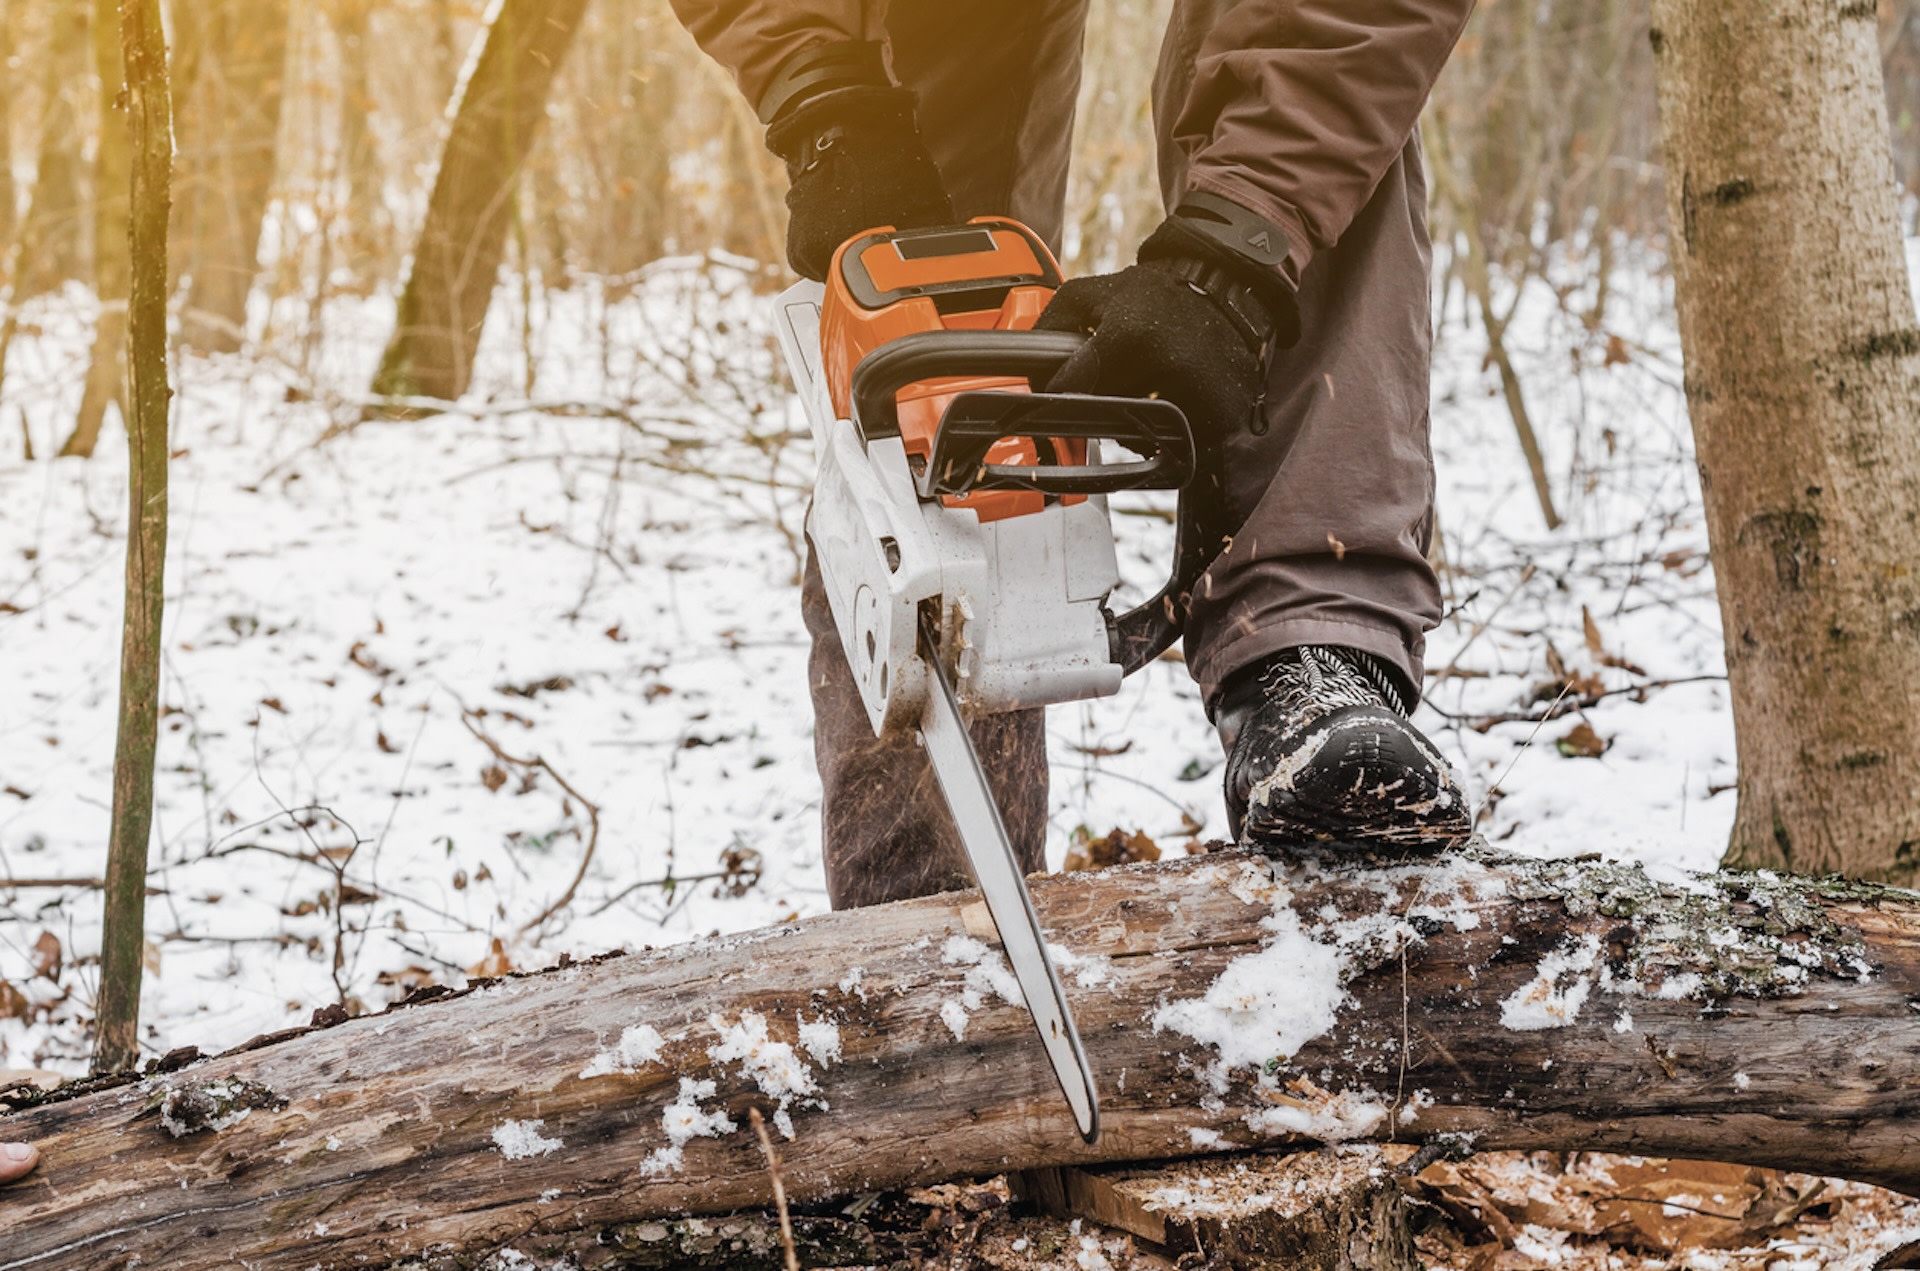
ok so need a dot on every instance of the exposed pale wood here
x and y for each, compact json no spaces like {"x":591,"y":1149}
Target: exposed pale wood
{"x":369,"y":1142}
{"x":1315,"y":1211}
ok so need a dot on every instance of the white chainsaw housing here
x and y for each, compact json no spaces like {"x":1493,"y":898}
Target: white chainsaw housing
{"x":1022,"y":601}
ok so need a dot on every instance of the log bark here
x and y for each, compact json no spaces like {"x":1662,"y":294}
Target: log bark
{"x":1483,"y":1002}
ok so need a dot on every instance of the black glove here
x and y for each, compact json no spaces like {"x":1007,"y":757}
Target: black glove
{"x":855,"y":161}
{"x":1191,"y":323}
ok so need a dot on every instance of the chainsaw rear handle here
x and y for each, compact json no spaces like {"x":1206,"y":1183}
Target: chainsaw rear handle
{"x":1156,"y":430}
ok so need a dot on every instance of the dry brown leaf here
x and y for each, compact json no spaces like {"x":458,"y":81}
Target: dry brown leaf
{"x":1581,"y":742}
{"x":407,"y":978}
{"x":496,"y":963}
{"x":1085,"y":851}
{"x":1595,"y":645}
{"x":1666,"y":1206}
{"x":47,"y":956}
{"x":493,"y":777}
{"x":1617,"y":354}
{"x":13,"y":1003}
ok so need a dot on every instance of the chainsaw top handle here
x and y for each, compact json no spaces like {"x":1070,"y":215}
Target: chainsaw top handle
{"x":974,"y":421}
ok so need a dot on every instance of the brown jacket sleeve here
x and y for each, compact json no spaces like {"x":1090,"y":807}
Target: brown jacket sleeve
{"x":1298,"y":107}
{"x":752,"y":38}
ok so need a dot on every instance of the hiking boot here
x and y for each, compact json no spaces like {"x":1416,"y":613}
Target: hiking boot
{"x":1319,"y":747}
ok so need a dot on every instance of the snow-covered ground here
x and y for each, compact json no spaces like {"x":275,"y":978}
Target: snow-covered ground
{"x":528,"y":679}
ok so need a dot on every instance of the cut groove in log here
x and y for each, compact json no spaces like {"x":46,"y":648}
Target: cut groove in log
{"x":1227,"y":1002}
{"x":1314,"y":1211}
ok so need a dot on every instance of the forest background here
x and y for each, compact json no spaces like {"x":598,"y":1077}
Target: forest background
{"x":521,"y":679}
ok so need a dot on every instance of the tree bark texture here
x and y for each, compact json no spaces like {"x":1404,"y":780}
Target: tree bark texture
{"x":237,"y":59}
{"x":1228,"y":1002}
{"x":123,"y":943}
{"x":457,"y":257}
{"x":112,"y":177}
{"x":1803,"y":381}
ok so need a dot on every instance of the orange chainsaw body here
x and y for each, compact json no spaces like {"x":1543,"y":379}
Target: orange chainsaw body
{"x":991,"y":274}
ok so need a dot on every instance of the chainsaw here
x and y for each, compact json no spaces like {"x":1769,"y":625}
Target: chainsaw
{"x":961,"y":527}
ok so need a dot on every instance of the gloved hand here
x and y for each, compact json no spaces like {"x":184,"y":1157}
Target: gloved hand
{"x":855,"y":161}
{"x":1191,"y":323}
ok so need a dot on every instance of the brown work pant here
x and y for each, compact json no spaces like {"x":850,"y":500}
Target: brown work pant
{"x":1335,"y":496}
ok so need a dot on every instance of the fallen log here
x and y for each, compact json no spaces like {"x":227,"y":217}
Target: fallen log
{"x":1228,"y":1003}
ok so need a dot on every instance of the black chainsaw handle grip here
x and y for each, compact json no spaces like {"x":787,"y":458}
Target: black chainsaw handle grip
{"x":1203,"y":528}
{"x":975,"y":422}
{"x":926,"y":355}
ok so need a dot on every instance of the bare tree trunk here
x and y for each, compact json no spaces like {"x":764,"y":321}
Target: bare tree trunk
{"x":9,"y":48}
{"x":1803,"y":380}
{"x":112,"y":176}
{"x":193,"y":127}
{"x":55,"y":229}
{"x":1229,"y":1003}
{"x":123,"y":942}
{"x":369,"y":237}
{"x":240,"y":83}
{"x":461,"y":244}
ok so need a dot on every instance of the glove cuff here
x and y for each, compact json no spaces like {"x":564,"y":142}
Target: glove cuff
{"x":1233,"y":257}
{"x":822,"y":68}
{"x":821,"y":120}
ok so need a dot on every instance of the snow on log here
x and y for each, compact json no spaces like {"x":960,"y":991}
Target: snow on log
{"x":1228,"y":1003}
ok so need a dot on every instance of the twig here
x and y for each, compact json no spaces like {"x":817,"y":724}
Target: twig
{"x":779,"y":1187}
{"x":1580,"y":703}
{"x":1524,"y":747}
{"x":1526,"y":576}
{"x":593,"y":817}
{"x":668,"y":883}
